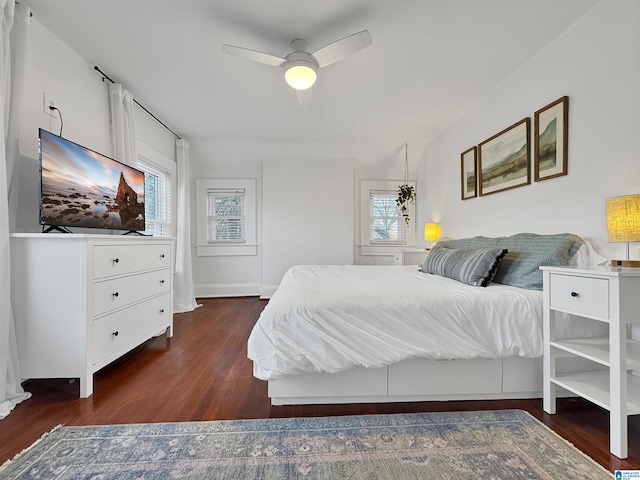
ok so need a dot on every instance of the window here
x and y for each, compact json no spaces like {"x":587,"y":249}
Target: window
{"x":226,"y":215}
{"x":157,"y":199}
{"x":382,"y":227}
{"x":386,"y":224}
{"x":159,"y":187}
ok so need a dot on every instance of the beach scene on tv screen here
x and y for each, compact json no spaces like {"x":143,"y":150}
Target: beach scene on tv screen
{"x":83,"y":188}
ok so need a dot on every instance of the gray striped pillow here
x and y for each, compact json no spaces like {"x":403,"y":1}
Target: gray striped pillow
{"x":471,"y":266}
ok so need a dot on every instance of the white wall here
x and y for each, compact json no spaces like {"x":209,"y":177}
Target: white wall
{"x":596,"y":62}
{"x":78,"y":92}
{"x":307,"y":205}
{"x":214,"y":158}
{"x":81,"y":95}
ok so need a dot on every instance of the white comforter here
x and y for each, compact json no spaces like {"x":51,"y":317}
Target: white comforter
{"x":332,"y":318}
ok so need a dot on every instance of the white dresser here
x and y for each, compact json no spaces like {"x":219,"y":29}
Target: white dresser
{"x":82,"y":301}
{"x":611,"y":296}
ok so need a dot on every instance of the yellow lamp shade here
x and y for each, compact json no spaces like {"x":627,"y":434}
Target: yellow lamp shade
{"x":623,"y":218}
{"x":431,"y":232}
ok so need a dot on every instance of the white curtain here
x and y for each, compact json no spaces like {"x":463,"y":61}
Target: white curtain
{"x":183,"y":299}
{"x":13,"y":49}
{"x":123,"y":132}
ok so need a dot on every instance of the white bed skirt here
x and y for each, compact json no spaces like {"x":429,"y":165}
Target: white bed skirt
{"x":419,"y":380}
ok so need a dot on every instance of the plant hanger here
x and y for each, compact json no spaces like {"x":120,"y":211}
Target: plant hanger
{"x":406,"y":192}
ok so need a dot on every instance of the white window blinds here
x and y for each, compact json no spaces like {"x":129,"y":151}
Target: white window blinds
{"x":386,"y":225}
{"x":226,"y":215}
{"x":157,"y":199}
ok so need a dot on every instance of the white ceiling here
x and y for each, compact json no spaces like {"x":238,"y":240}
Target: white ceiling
{"x":430,"y":61}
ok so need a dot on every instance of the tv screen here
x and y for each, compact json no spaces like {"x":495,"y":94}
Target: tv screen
{"x":82,"y":188}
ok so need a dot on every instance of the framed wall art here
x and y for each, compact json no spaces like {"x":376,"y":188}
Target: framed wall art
{"x":468,"y":173}
{"x":551,"y":129}
{"x":504,"y":159}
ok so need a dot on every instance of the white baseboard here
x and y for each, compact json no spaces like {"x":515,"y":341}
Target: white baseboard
{"x":227,"y":290}
{"x":267,"y":291}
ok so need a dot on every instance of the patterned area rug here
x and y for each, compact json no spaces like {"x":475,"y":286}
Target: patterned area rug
{"x":507,"y":444}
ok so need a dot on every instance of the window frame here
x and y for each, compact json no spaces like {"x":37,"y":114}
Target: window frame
{"x":367,"y":247}
{"x":402,"y":234}
{"x":227,"y":192}
{"x":158,"y":161}
{"x":226,"y":248}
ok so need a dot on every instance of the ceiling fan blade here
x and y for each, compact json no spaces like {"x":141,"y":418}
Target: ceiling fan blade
{"x":305,"y":97}
{"x":343,"y":48}
{"x":253,"y":55}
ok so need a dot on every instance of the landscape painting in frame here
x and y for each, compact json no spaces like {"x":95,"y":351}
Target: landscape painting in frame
{"x":468,"y":173}
{"x":550,"y":140}
{"x":505,"y":160}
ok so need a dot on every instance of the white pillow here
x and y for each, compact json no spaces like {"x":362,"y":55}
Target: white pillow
{"x":586,"y":256}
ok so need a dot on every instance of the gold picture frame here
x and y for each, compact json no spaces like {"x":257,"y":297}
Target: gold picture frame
{"x":469,"y":173}
{"x":551,"y":132}
{"x":504,"y":159}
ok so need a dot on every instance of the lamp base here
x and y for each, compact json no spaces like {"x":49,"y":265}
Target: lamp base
{"x":625,"y":263}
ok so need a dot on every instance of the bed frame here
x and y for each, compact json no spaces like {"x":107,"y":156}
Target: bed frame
{"x":422,"y":380}
{"x":419,"y":380}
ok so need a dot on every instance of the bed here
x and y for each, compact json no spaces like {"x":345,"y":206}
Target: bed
{"x":350,"y":334}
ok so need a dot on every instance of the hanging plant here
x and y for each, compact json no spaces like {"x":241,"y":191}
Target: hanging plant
{"x":406,"y":192}
{"x":406,"y":195}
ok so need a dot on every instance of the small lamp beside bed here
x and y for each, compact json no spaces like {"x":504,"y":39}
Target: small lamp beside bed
{"x":623,"y":224}
{"x":431,"y":234}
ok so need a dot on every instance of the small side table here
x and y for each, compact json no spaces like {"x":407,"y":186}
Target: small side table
{"x":609,"y":295}
{"x":409,"y":256}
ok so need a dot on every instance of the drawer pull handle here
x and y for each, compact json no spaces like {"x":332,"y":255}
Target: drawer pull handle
{"x":575,"y":294}
{"x":116,"y":294}
{"x":162,"y":256}
{"x":116,"y":260}
{"x":161,"y":282}
{"x":115,"y":334}
{"x":161,"y":311}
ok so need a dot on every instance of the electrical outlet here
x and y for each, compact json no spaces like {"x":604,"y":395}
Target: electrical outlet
{"x":46,"y":103}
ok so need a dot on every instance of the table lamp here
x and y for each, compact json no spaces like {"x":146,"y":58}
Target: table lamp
{"x":431,"y":233}
{"x":623,"y":224}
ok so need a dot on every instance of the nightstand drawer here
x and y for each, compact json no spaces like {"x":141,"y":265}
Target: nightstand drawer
{"x":409,"y":256}
{"x":582,"y":295}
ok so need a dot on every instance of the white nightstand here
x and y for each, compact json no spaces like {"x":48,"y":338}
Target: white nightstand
{"x":408,"y":256}
{"x":612,"y":296}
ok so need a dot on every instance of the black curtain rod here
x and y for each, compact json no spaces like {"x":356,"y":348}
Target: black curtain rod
{"x":106,"y":77}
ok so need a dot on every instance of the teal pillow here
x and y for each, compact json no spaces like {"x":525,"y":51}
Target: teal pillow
{"x":527,"y":252}
{"x":471,"y":266}
{"x":457,"y":243}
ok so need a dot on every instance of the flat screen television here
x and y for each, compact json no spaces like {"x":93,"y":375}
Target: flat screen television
{"x":82,"y":188}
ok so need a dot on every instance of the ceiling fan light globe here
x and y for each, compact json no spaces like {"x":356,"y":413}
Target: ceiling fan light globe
{"x":300,"y":76}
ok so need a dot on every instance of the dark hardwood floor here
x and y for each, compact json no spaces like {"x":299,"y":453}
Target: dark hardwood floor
{"x":202,"y":373}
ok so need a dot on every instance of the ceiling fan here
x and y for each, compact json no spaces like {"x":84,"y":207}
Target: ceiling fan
{"x":301,"y":67}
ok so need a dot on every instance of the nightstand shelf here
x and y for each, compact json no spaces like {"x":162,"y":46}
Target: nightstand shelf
{"x":607,"y":295}
{"x":596,"y":349}
{"x":594,"y":386}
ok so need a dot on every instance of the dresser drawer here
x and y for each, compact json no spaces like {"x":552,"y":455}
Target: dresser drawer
{"x":122,"y":291}
{"x":110,"y":260}
{"x":581,"y":295}
{"x":123,"y":328}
